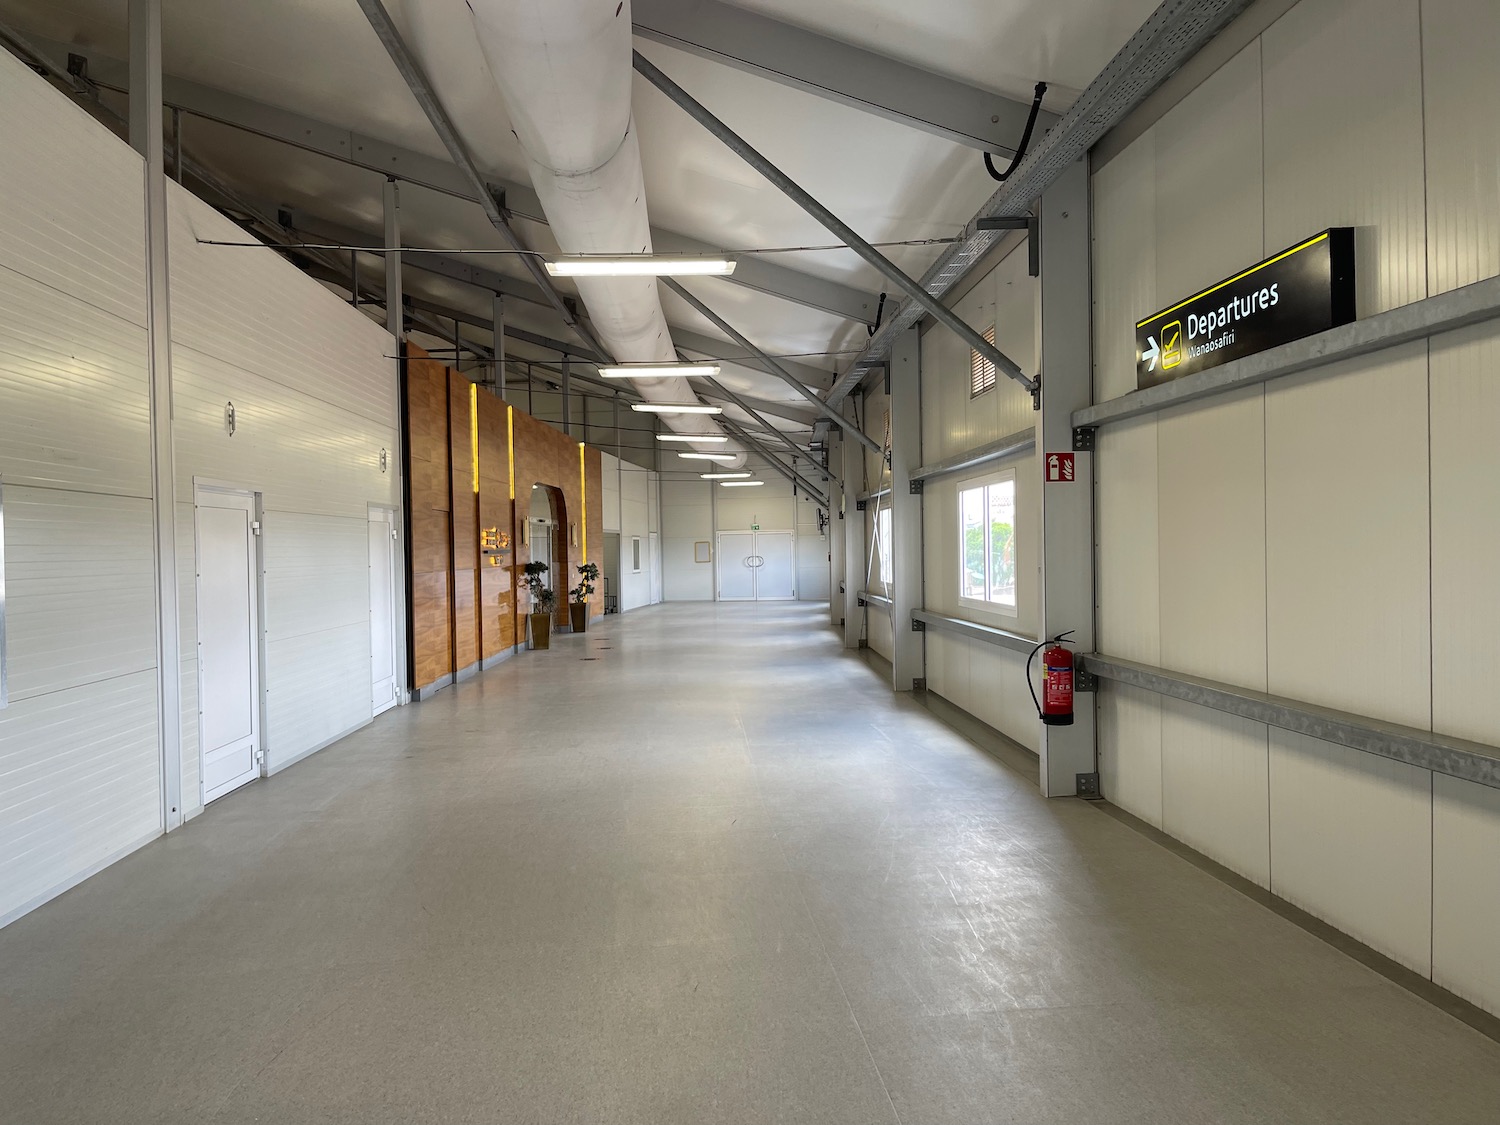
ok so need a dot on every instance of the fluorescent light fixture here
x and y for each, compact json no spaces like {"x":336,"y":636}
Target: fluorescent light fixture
{"x":648,"y":370}
{"x":724,"y":458}
{"x":741,"y":483}
{"x":642,"y":265}
{"x":675,"y":408}
{"x":722,"y":476}
{"x":691,"y":437}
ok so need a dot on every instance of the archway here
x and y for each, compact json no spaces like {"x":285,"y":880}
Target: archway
{"x":547,"y":540}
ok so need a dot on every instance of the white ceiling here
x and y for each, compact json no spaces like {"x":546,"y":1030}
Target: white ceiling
{"x":890,"y":182}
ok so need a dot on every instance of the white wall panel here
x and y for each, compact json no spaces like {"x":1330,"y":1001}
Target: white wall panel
{"x":317,"y":689}
{"x":251,"y":308}
{"x":80,"y":586}
{"x":1347,"y":544}
{"x":878,"y":630}
{"x":610,"y":476}
{"x":1343,"y":138}
{"x":81,"y":783}
{"x":1124,"y":265}
{"x":998,"y":694}
{"x":637,"y":502}
{"x":1465,"y":532}
{"x":1212,"y":517}
{"x":1351,"y":841}
{"x":1215,"y":788}
{"x":80,"y":767}
{"x":812,"y":555}
{"x":1210,"y":215}
{"x":1128,"y":570}
{"x":1130,"y":750}
{"x":1462,"y":97}
{"x":75,"y":198}
{"x":686,"y":518}
{"x":73,"y":389}
{"x":1466,"y":889}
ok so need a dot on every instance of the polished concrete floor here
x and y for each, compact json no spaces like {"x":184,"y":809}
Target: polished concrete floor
{"x":696,"y":866}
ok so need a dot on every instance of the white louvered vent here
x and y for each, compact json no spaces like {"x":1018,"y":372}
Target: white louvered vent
{"x":981,"y":370}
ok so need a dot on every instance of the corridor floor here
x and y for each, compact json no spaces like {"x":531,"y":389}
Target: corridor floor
{"x":697,"y":865}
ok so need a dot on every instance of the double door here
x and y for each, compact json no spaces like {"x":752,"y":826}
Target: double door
{"x":757,"y":566}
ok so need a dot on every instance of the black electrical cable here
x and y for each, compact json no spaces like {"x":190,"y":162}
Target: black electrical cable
{"x":1015,"y":162}
{"x":879,"y":312}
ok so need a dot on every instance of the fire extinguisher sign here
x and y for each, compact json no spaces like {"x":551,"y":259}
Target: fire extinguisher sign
{"x":1059,"y":468}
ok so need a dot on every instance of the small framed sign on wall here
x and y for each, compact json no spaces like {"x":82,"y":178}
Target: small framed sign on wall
{"x":702,"y":553}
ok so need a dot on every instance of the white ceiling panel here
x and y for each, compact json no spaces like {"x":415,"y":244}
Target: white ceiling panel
{"x":1002,"y":45}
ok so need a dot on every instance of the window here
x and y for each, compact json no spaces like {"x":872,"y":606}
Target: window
{"x":635,"y":554}
{"x":883,"y":545}
{"x":987,"y":543}
{"x":981,"y":370}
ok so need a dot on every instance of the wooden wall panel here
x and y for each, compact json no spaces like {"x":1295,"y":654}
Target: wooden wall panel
{"x":430,"y":545}
{"x":461,"y":410}
{"x":465,"y":610}
{"x":497,"y":625}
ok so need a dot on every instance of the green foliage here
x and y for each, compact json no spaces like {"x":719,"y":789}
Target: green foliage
{"x":588,"y":575}
{"x":542,"y":597}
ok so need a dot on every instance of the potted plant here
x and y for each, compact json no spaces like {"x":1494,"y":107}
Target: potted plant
{"x":542,"y":601}
{"x":578,"y":607}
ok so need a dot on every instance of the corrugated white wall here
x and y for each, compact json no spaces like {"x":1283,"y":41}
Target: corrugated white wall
{"x":986,"y":681}
{"x":315,"y":402}
{"x":315,"y":397}
{"x":1327,"y":538}
{"x":637,"y":505}
{"x":80,"y":768}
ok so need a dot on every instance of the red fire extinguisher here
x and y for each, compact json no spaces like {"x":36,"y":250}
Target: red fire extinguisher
{"x":1055,"y":708}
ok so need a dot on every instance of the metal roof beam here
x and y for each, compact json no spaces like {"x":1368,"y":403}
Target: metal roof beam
{"x":311,"y":135}
{"x":838,"y":71}
{"x":1173,"y":33}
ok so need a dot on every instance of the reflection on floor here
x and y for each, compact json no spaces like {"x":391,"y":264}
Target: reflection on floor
{"x":715,"y":873}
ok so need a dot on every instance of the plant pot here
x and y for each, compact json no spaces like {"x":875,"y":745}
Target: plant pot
{"x":579,"y":612}
{"x":541,"y":629}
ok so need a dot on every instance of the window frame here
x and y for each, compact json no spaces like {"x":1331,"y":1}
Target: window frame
{"x":885,"y":569}
{"x":635,"y":554}
{"x":984,"y":605}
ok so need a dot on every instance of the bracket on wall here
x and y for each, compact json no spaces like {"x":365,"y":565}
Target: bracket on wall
{"x":1036,"y":393}
{"x":1088,"y":787}
{"x":860,"y":504}
{"x":919,"y":683}
{"x":915,"y":486}
{"x":1083,"y":438}
{"x":1084,"y":681}
{"x":918,"y":626}
{"x":1031,"y":226}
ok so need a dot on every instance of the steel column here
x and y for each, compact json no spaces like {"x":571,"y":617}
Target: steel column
{"x":146,"y":138}
{"x":1067,"y":537}
{"x":908,"y":656}
{"x":394,"y":297}
{"x":737,"y":144}
{"x":771,"y":365}
{"x":854,"y":540}
{"x":497,"y":318}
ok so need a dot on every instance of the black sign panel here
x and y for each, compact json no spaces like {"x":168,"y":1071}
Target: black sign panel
{"x":1307,"y":289}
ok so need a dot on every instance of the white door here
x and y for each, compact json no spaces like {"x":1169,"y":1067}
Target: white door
{"x":383,"y":639}
{"x":736,"y":566}
{"x":228,"y":649}
{"x":776,"y":566}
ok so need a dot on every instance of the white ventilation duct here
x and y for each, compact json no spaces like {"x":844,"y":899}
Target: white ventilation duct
{"x":563,"y":68}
